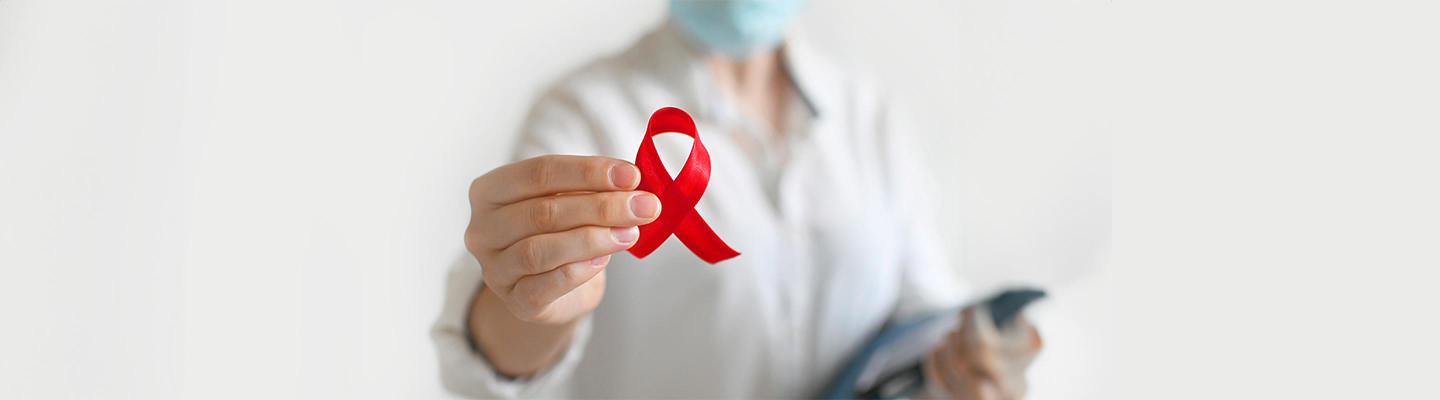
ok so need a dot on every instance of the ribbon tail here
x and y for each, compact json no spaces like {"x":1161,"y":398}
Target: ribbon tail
{"x":702,"y":240}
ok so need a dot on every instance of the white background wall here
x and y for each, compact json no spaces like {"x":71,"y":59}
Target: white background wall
{"x":256,"y":199}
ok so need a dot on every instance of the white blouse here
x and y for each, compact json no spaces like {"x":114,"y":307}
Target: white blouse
{"x":832,"y":221}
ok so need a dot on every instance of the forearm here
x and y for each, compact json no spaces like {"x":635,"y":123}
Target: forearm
{"x":513,"y":347}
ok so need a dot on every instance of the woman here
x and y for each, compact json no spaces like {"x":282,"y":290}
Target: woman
{"x":811,"y":182}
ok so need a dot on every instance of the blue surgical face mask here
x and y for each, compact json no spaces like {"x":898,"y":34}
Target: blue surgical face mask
{"x":735,"y":27}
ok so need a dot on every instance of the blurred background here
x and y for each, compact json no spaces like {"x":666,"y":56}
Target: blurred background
{"x":212,"y":199}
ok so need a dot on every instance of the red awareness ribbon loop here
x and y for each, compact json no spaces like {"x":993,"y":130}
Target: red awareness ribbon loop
{"x":678,"y":196}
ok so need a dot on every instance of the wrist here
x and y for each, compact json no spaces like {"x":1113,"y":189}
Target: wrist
{"x":514,"y":347}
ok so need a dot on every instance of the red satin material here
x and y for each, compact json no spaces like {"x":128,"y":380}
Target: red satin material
{"x":678,"y":196}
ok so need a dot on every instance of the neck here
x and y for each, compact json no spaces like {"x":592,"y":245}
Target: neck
{"x":747,"y":74}
{"x":757,"y":83}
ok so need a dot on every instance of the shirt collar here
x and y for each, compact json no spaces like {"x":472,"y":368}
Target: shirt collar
{"x":678,"y":60}
{"x":813,"y":76}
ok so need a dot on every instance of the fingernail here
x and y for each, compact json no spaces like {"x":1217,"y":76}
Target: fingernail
{"x":644,"y":205}
{"x":598,"y":261}
{"x":624,"y":176}
{"x":625,"y":235}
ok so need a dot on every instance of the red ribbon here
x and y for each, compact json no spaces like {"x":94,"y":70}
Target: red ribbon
{"x":678,"y":196}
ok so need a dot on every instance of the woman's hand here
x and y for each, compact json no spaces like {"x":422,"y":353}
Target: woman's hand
{"x":979,"y":362}
{"x":543,"y":230}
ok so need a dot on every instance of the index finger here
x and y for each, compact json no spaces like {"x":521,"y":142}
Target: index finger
{"x":551,"y":174}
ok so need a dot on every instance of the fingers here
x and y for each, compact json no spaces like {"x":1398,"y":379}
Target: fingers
{"x":559,"y":213}
{"x":948,"y":374}
{"x":541,"y":253}
{"x":968,"y":361}
{"x":534,"y":293}
{"x":960,"y":377}
{"x":1036,"y":341}
{"x":977,"y":341}
{"x":975,"y":345}
{"x":551,"y":174}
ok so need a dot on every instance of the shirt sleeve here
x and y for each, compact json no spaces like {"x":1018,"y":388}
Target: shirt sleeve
{"x":464,"y":371}
{"x":554,"y":126}
{"x":929,"y":281}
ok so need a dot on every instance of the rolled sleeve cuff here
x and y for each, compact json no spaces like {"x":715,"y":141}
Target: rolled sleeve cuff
{"x":464,"y":371}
